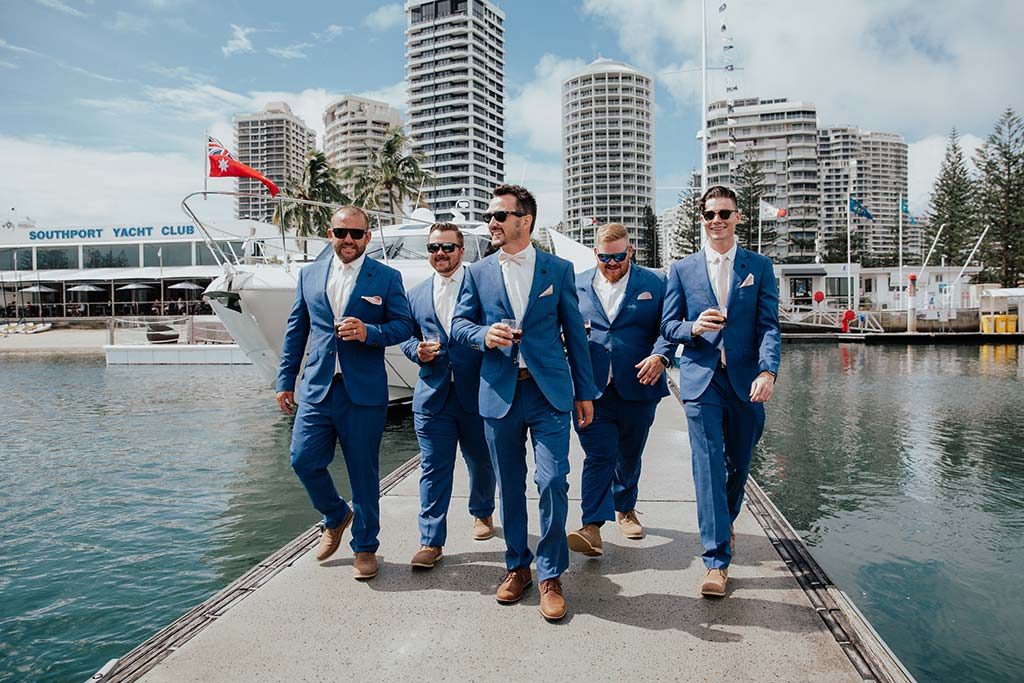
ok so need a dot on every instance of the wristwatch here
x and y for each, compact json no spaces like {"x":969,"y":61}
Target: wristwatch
{"x":664,"y":360}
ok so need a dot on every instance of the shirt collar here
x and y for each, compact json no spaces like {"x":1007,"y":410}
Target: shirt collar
{"x":455,"y":277}
{"x":711,"y":255}
{"x":529,"y":254}
{"x":600,"y":279}
{"x":339,"y":265}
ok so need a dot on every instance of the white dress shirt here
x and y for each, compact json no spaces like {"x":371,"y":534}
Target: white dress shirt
{"x":446,"y":291}
{"x":340,"y":284}
{"x":720,"y":268}
{"x":610,"y":294}
{"x":517,"y":271}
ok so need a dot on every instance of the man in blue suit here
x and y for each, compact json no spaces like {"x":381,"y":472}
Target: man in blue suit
{"x":722,"y":304}
{"x":527,"y":385}
{"x":623,"y":303}
{"x":349,"y":308}
{"x":444,"y":403}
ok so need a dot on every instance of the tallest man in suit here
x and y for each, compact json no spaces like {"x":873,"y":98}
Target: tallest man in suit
{"x":528,"y":385}
{"x":722,"y":304}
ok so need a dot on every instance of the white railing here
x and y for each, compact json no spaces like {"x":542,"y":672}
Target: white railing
{"x":814,"y":316}
{"x":144,"y":330}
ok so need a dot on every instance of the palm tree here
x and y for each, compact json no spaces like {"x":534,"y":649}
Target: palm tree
{"x":319,"y":184}
{"x":391,"y":173}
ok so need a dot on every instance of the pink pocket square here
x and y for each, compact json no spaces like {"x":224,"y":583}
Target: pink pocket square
{"x":644,"y":296}
{"x":375,"y":300}
{"x":749,"y":280}
{"x":547,"y":292}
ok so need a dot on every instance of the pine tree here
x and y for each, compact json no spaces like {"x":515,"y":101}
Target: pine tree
{"x":1000,"y":162}
{"x":749,"y":177}
{"x":952,"y":206}
{"x":650,"y":237}
{"x":684,"y":236}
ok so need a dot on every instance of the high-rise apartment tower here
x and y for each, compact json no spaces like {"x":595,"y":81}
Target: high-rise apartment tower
{"x":353,"y":126}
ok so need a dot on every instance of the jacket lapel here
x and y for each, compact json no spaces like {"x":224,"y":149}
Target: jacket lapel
{"x":363,"y":281}
{"x":322,"y":296}
{"x":432,"y":316}
{"x":739,"y":272}
{"x":631,"y":291}
{"x":499,"y":283}
{"x":540,"y":271}
{"x":588,"y":287}
{"x":699,"y":275}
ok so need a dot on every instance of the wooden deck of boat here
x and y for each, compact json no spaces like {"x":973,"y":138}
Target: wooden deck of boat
{"x":633,"y":614}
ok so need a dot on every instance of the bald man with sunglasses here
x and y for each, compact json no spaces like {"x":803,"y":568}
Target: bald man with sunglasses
{"x":722,"y":304}
{"x":445,"y":407}
{"x":348,"y":308}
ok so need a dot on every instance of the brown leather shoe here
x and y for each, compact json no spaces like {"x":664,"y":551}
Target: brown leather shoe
{"x":426,"y":557}
{"x":514,"y":585}
{"x":483,"y":528}
{"x":629,"y":525}
{"x":330,"y":539}
{"x":364,"y":567}
{"x":713,"y":583}
{"x":586,"y":540}
{"x":552,"y":602}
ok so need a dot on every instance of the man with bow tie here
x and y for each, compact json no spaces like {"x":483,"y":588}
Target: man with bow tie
{"x":722,"y":304}
{"x":529,"y":383}
{"x":348,"y":307}
{"x":445,"y":403}
{"x":623,"y":303}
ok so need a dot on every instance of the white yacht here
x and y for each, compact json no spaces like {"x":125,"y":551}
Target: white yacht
{"x":253,"y":298}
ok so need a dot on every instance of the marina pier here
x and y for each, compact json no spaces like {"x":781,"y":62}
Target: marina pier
{"x":633,"y":613}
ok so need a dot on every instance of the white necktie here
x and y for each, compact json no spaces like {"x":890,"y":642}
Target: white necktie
{"x":444,"y":311}
{"x":724,"y":278}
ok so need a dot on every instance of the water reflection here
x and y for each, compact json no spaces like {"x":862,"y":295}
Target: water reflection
{"x":904,"y":468}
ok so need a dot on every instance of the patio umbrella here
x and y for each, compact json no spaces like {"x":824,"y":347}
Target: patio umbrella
{"x":85,"y":288}
{"x":134,"y":288}
{"x":186,"y":285}
{"x":38,"y":289}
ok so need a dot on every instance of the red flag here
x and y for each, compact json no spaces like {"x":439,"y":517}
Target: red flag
{"x":223,"y":164}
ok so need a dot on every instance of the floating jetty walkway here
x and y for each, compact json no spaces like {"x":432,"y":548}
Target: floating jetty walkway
{"x":634,"y":614}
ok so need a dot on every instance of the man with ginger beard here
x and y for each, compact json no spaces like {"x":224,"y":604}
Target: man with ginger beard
{"x":623,"y":303}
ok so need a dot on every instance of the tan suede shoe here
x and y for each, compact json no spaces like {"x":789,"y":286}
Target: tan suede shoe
{"x":426,"y":557}
{"x":586,"y":540}
{"x":483,"y":528}
{"x":714,"y":582}
{"x":364,"y":567}
{"x":330,"y":539}
{"x":552,"y":602}
{"x":514,"y":585}
{"x":629,"y":525}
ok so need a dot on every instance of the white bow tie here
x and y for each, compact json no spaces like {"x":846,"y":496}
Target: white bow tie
{"x":518,"y":259}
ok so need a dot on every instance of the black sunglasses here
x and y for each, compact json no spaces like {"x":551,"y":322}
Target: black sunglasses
{"x":723,"y":214}
{"x":618,"y":258}
{"x":501,"y":216}
{"x":446,"y":247}
{"x":354,"y":233}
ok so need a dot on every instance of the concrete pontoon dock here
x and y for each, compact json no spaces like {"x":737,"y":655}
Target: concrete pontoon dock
{"x":633,"y":614}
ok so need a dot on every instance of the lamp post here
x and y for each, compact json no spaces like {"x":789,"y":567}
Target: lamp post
{"x":849,"y":231}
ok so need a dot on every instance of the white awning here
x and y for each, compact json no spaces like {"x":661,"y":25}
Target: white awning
{"x":149,"y":274}
{"x":1004,"y":292}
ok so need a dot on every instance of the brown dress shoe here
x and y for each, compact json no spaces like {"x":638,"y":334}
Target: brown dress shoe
{"x":629,"y":525}
{"x":713,"y":583}
{"x":330,"y":539}
{"x":364,"y":567}
{"x":552,"y":602}
{"x":426,"y":557}
{"x":586,"y":540}
{"x":483,"y":528}
{"x":514,"y":585}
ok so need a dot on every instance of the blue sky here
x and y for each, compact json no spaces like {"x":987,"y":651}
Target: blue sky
{"x":105,"y":103}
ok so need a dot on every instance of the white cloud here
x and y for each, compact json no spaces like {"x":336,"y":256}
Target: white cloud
{"x":330,"y":33}
{"x":7,"y":65}
{"x":386,"y":17}
{"x":16,"y":48}
{"x":396,"y":95}
{"x":62,"y":64}
{"x":924,"y":159}
{"x":125,"y":22}
{"x":543,"y":179}
{"x":120,"y":186}
{"x":535,"y":111}
{"x":297,"y":51}
{"x":61,"y":7}
{"x":239,"y":42}
{"x":116,"y":105}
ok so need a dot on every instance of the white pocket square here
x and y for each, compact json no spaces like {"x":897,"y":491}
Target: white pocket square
{"x":644,"y":296}
{"x":375,"y":300}
{"x":748,"y":281}
{"x":547,"y":292}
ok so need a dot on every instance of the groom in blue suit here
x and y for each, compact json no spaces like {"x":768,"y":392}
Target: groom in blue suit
{"x":515,"y":306}
{"x":722,"y":304}
{"x":623,"y":303}
{"x":444,"y":403}
{"x":348,"y":308}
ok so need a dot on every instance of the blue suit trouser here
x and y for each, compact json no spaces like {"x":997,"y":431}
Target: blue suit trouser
{"x":614,"y":443}
{"x":318,"y":428}
{"x":724,"y":428}
{"x":549,"y":433}
{"x":438,"y":436}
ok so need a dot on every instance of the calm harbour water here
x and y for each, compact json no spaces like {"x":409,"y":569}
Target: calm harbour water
{"x":903,"y":468}
{"x":132,"y":494}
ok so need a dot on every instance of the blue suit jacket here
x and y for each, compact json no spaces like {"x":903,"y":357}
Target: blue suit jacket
{"x":378,"y":299}
{"x":484,"y":301}
{"x":457,"y":360}
{"x":751,"y":336}
{"x":631,"y":337}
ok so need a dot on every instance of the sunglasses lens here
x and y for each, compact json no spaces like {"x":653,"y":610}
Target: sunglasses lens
{"x":500,"y":216}
{"x":354,"y":233}
{"x":433,"y":247}
{"x":449,"y":247}
{"x":725,"y":213}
